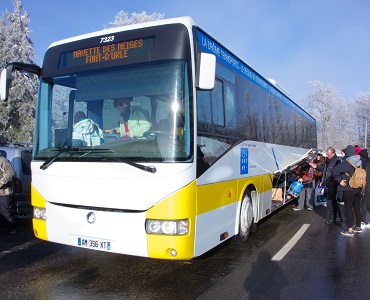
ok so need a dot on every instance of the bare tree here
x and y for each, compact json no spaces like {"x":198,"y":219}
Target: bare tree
{"x":334,"y":124}
{"x":362,"y":114}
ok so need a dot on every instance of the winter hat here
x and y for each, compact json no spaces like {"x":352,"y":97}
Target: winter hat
{"x":358,"y":150}
{"x":364,"y":154}
{"x":350,"y":151}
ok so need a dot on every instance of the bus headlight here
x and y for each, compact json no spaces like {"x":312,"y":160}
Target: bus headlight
{"x":169,"y":227}
{"x":39,"y":213}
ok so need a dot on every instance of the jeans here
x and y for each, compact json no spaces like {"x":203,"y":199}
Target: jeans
{"x":305,"y":197}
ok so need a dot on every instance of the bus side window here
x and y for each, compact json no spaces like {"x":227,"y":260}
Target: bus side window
{"x":227,"y":78}
{"x":211,"y":108}
{"x":230,"y":100}
{"x":204,"y":112}
{"x":218,"y":105}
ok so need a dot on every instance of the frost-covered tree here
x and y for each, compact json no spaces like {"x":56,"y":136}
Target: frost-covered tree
{"x":18,"y":114}
{"x":335,"y":126}
{"x":362,"y":115}
{"x":122,"y":18}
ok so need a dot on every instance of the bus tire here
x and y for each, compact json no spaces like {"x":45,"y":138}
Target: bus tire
{"x":245,"y":219}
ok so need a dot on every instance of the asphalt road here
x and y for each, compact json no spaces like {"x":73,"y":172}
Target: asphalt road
{"x":293,"y":255}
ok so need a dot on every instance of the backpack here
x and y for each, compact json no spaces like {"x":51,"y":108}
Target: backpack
{"x":358,"y":178}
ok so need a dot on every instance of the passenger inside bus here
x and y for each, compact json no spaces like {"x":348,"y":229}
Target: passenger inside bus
{"x":85,"y":131}
{"x":174,"y":125}
{"x":135,"y":119}
{"x":202,"y":165}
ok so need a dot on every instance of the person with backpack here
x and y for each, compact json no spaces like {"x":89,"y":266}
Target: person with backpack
{"x":343,"y":174}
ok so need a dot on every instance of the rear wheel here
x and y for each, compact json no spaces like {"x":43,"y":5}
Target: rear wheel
{"x":245,"y":219}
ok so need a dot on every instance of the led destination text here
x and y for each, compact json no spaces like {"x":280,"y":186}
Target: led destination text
{"x":106,"y":53}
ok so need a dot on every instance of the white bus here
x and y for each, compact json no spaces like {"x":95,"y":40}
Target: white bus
{"x":200,"y":173}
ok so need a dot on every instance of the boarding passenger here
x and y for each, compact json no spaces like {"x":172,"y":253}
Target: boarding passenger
{"x":305,"y":175}
{"x":319,"y":166}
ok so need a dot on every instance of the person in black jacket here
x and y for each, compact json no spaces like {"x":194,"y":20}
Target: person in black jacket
{"x":334,"y":213}
{"x":365,"y":203}
{"x":351,"y":196}
{"x":6,"y":192}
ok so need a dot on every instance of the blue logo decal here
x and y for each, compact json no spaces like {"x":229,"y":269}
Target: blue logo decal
{"x":243,"y":160}
{"x":108,"y":245}
{"x":79,"y":241}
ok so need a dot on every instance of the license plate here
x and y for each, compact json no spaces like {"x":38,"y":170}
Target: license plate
{"x":94,"y":243}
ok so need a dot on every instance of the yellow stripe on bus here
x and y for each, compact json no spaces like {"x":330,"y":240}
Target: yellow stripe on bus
{"x":39,"y":226}
{"x":216,"y":195}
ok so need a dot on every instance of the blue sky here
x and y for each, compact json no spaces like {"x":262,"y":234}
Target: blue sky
{"x":291,"y":41}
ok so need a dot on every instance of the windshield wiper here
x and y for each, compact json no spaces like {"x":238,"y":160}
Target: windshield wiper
{"x":150,"y":169}
{"x":49,"y":161}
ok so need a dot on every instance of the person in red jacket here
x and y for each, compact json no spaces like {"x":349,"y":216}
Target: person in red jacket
{"x":305,"y":175}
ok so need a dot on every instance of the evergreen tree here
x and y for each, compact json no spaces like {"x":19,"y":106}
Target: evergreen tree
{"x":18,"y":114}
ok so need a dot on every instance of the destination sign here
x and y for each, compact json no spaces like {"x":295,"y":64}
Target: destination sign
{"x":107,"y":52}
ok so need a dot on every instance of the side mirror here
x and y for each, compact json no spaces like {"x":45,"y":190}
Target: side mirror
{"x":6,"y":76}
{"x":206,"y":71}
{"x":5,"y":80}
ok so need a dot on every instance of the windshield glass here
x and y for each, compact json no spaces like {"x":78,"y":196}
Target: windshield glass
{"x":139,"y":113}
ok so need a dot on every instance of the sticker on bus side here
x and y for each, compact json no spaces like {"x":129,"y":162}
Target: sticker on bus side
{"x":243,"y":160}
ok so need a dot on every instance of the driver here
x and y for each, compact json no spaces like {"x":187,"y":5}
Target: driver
{"x":135,"y":119}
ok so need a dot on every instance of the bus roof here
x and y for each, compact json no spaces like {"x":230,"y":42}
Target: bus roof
{"x":187,"y":21}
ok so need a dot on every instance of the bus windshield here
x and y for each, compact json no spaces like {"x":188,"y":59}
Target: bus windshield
{"x":137,"y":112}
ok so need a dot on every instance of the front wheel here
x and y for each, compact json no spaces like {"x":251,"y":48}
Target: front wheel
{"x":245,"y":219}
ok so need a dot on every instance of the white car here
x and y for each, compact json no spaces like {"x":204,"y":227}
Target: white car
{"x":20,"y":156}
